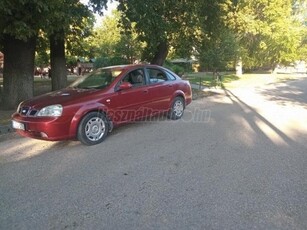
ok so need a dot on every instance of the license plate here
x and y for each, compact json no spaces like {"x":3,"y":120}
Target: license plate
{"x":18,"y":125}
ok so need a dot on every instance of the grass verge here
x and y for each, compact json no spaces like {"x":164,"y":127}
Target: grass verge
{"x":207,"y":79}
{"x":230,"y":80}
{"x":198,"y":94}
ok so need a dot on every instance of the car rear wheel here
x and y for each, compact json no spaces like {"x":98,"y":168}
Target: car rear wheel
{"x":93,"y":128}
{"x":177,"y":109}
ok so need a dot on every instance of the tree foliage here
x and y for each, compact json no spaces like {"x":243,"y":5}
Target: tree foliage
{"x":216,"y":44}
{"x":262,"y":33}
{"x":218,"y":52}
{"x":159,"y":24}
{"x":300,"y":14}
{"x":110,"y":41}
{"x":22,"y":19}
{"x":69,"y":16}
{"x":20,"y":23}
{"x":266,"y":31}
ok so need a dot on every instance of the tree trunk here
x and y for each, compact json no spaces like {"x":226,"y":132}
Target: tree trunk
{"x":58,"y":63}
{"x":161,"y":54}
{"x":239,"y":66}
{"x":18,"y":71}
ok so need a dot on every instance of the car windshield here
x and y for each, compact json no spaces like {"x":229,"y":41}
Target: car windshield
{"x":98,"y":79}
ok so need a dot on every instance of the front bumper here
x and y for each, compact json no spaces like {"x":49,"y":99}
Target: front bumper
{"x":44,"y":128}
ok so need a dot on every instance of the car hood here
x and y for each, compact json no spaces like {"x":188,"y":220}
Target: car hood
{"x":63,"y":97}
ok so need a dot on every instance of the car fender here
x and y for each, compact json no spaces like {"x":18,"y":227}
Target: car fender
{"x":177,"y":93}
{"x":81,"y":113}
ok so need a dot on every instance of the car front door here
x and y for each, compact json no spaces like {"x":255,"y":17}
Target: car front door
{"x":133,"y":103}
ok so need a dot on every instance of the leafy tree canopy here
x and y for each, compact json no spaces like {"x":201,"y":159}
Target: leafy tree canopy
{"x":266,"y":31}
{"x":23,"y":18}
{"x":159,"y":23}
{"x":109,"y":40}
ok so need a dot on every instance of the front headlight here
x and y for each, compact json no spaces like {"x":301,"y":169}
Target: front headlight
{"x":51,"y":111}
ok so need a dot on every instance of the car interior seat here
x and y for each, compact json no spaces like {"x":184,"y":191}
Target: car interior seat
{"x":137,"y":79}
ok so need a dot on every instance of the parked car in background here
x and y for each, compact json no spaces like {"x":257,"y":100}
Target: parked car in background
{"x":89,"y":108}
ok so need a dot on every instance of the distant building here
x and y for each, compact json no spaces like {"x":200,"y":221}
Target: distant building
{"x":85,"y":66}
{"x":191,"y":64}
{"x":296,"y":67}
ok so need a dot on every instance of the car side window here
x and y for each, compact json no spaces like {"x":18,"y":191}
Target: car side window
{"x":170,"y":76}
{"x":135,"y":77}
{"x":156,"y":76}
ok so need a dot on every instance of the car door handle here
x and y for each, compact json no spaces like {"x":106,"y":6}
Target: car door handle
{"x":170,"y":85}
{"x":145,"y":91}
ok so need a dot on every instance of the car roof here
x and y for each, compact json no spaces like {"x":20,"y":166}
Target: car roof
{"x":129,"y":66}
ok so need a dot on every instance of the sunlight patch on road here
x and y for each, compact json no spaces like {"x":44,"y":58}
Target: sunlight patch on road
{"x":24,"y":148}
{"x":291,"y":119}
{"x":271,"y":133}
{"x":248,"y":136}
{"x":282,"y":123}
{"x":220,"y":99}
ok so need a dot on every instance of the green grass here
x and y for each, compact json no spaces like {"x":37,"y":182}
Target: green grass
{"x":227,"y":78}
{"x":199,"y":78}
{"x":206,"y":79}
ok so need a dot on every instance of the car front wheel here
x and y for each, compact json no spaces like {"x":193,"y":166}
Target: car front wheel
{"x":93,"y":128}
{"x":177,"y":109}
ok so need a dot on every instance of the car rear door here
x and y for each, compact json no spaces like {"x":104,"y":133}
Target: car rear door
{"x":161,"y":88}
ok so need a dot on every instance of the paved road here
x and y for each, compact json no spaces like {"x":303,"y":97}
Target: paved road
{"x":235,"y":161}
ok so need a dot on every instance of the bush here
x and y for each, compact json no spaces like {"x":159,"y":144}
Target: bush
{"x":175,"y":68}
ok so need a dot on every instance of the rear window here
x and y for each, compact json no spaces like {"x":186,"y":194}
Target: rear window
{"x":157,"y":75}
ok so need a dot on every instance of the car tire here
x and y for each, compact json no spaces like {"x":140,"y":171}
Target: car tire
{"x":177,"y":109}
{"x":93,"y":128}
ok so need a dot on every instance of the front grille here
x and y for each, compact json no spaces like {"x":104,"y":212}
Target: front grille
{"x":27,"y":111}
{"x":33,"y":112}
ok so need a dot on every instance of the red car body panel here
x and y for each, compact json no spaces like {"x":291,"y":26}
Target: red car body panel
{"x":120,"y":106}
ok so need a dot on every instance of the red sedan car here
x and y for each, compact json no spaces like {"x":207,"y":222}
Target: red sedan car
{"x":88,"y":109}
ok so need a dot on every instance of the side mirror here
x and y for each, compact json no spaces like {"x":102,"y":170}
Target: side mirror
{"x":125,"y":85}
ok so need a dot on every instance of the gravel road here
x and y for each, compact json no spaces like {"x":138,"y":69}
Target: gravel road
{"x":236,"y":160}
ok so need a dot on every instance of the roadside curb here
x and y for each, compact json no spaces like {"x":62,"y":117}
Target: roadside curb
{"x":6,"y":129}
{"x":197,"y":86}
